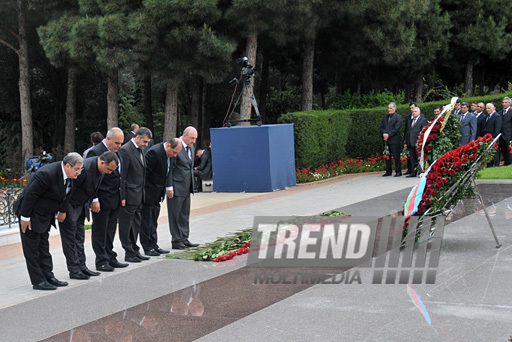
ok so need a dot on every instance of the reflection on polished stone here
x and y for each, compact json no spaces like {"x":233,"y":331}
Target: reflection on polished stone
{"x":199,"y":309}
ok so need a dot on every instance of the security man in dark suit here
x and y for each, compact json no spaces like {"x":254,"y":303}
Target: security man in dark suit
{"x":480,"y":119}
{"x":390,"y":130}
{"x":105,"y":207}
{"x":417,"y":124}
{"x":45,"y":198}
{"x":506,"y":131}
{"x":133,"y":130}
{"x":72,"y":229}
{"x":159,"y":161}
{"x":132,"y":193}
{"x":182,"y":185}
{"x":492,"y":125}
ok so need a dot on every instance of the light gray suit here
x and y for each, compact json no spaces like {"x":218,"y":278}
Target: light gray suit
{"x":178,"y":207}
{"x":468,"y":128}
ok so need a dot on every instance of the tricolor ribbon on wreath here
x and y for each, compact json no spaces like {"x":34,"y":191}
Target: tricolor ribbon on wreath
{"x":446,"y":109}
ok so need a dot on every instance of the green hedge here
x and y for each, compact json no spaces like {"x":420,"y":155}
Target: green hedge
{"x":320,"y":136}
{"x":326,"y":136}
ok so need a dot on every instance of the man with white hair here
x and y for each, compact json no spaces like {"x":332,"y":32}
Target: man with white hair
{"x":45,"y":198}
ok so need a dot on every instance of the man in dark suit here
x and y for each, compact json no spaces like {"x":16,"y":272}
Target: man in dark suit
{"x":390,"y":130}
{"x":132,"y":193}
{"x":46,"y":195}
{"x":204,"y":169}
{"x":105,"y":207}
{"x":457,"y":107}
{"x":480,"y":119}
{"x":159,"y":161}
{"x":133,"y":130}
{"x":408,"y":120}
{"x":417,"y":124}
{"x":506,"y":130}
{"x":468,"y":126}
{"x":72,"y":228}
{"x":182,"y":185}
{"x":492,"y":125}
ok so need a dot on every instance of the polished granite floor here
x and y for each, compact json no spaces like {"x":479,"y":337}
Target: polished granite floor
{"x":207,"y":306}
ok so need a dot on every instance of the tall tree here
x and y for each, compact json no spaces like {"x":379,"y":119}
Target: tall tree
{"x":253,"y":18}
{"x":185,"y":41}
{"x":17,"y":41}
{"x":481,"y":31}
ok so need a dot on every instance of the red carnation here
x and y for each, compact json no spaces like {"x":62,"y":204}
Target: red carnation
{"x":473,"y":156}
{"x":451,"y":172}
{"x":458,"y":165}
{"x":434,"y":193}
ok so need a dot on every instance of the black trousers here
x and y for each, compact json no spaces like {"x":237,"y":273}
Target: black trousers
{"x":148,"y":226}
{"x":36,"y":250}
{"x":103,"y":232}
{"x":394,"y":151}
{"x":72,"y":235}
{"x":413,"y":153}
{"x":505,"y":151}
{"x":178,"y":210}
{"x":129,"y":228}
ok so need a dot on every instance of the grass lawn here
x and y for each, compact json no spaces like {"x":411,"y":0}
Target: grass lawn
{"x":502,"y":172}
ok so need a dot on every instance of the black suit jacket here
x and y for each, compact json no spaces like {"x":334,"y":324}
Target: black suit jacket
{"x":205,"y":166}
{"x":480,"y":120}
{"x":492,"y":125}
{"x":392,"y":127}
{"x":414,"y":132}
{"x":158,"y":174}
{"x":506,"y":124}
{"x":132,"y":174}
{"x":128,"y":136}
{"x":44,"y":195}
{"x":86,"y":185}
{"x":108,"y":192}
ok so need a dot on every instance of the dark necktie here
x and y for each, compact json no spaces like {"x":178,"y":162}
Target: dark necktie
{"x":67,"y":185}
{"x":413,"y":122}
{"x":188,"y":152}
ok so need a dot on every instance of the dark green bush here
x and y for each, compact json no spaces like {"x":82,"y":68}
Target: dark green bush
{"x":320,"y":136}
{"x":327,"y":136}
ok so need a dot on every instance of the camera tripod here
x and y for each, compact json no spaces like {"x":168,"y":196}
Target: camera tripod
{"x":245,"y":79}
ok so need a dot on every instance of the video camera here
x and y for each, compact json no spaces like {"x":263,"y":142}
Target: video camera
{"x":247,"y":69}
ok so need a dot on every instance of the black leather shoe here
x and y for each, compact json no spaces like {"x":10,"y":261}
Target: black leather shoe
{"x":411,"y":175}
{"x":44,"y":285}
{"x":142,"y":257}
{"x":57,"y":282}
{"x":90,"y":273}
{"x":162,"y":251}
{"x":190,"y":244}
{"x":407,"y":173}
{"x":132,"y":259}
{"x":398,"y":175}
{"x":386,"y":175}
{"x":116,"y":264}
{"x":78,"y":275}
{"x":105,"y":268}
{"x":178,"y":245}
{"x":152,"y":253}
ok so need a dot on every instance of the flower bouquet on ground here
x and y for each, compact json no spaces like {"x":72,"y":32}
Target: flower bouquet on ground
{"x":447,"y":180}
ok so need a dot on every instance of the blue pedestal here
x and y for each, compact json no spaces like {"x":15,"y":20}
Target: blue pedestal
{"x":253,"y":158}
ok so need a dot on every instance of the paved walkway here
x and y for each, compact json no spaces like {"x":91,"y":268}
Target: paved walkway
{"x":155,"y":299}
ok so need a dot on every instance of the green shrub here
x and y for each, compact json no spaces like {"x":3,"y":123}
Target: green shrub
{"x":320,"y":136}
{"x":323,"y":137}
{"x":348,"y":100}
